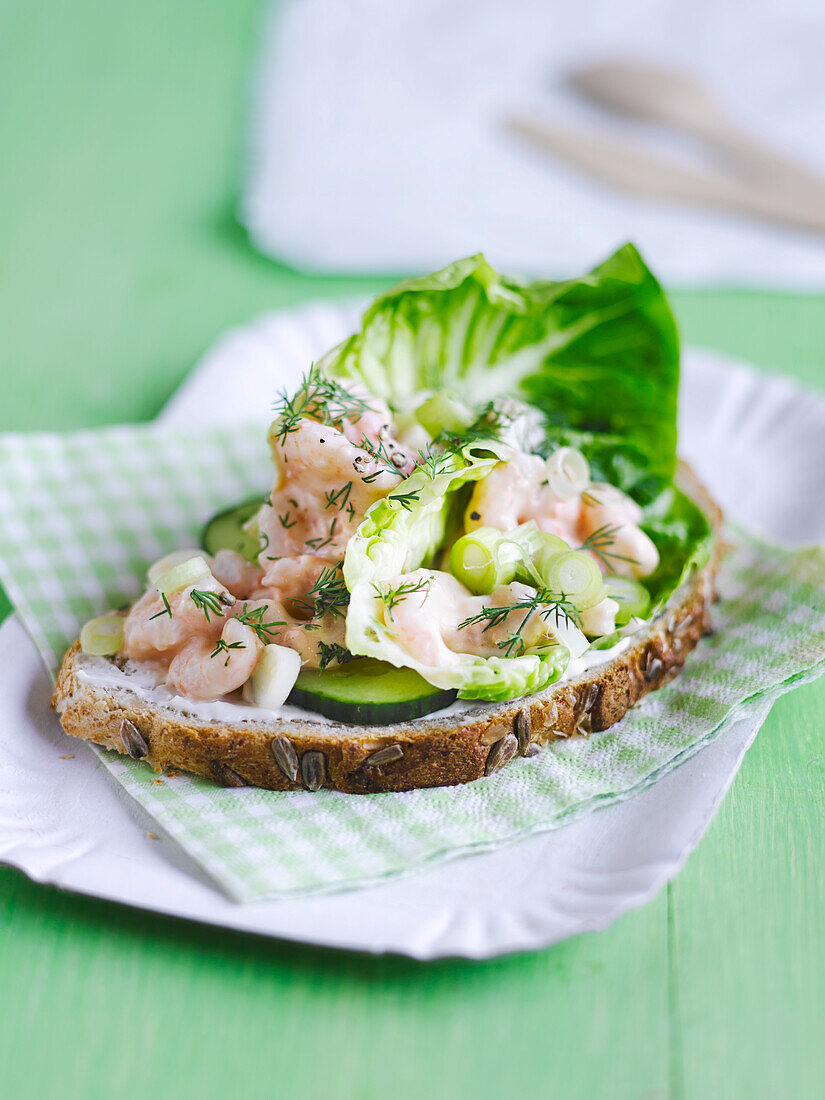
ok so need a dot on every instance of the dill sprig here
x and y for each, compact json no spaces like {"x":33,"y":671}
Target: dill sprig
{"x":167,"y":610}
{"x":317,"y":398}
{"x":599,"y":540}
{"x":255,"y":621}
{"x":436,"y":457}
{"x":225,"y":647}
{"x":489,"y":424}
{"x":433,"y":462}
{"x":329,"y":593}
{"x":544,"y":602}
{"x":338,"y":497}
{"x":285,"y":521}
{"x":211,"y":603}
{"x":391,"y":597}
{"x":332,"y":651}
{"x":406,"y":500}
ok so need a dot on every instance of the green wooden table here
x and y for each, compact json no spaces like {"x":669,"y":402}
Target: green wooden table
{"x":120,"y":261}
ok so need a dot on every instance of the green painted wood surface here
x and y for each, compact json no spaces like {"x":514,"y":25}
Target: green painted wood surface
{"x":120,"y":262}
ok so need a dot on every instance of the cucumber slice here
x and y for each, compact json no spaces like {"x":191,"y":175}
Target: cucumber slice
{"x":368,"y":692}
{"x":225,"y":531}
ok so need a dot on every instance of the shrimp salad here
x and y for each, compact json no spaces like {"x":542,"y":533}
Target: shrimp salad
{"x":434,"y":508}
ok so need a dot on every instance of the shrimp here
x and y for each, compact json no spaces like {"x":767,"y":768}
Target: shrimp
{"x":416,"y":619}
{"x":609,"y":519}
{"x":289,"y":579}
{"x":151,"y":630}
{"x":325,"y":484}
{"x":205,"y":669}
{"x":236,"y":573}
{"x":427,"y":621}
{"x":374,"y":422}
{"x":489,"y":637}
{"x":312,"y":640}
{"x":309,"y":637}
{"x":517,"y":491}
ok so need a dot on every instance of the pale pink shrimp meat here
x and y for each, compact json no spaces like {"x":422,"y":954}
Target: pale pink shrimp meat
{"x":325,"y":485}
{"x":609,"y":518}
{"x":428,"y":621}
{"x":150,"y":630}
{"x":238,"y":575}
{"x":516,"y":492}
{"x":206,"y":670}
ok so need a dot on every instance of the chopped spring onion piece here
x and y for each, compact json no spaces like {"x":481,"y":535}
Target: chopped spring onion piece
{"x":575,"y":575}
{"x":274,"y":677}
{"x":102,"y":637}
{"x":633,"y":598}
{"x":441,"y":412}
{"x":548,"y":548}
{"x":177,"y":557}
{"x":600,"y":619}
{"x":182,"y":575}
{"x":567,"y":472}
{"x":479,"y":563}
{"x":486,"y":558}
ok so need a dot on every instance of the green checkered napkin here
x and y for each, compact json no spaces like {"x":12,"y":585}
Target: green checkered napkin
{"x":82,"y":515}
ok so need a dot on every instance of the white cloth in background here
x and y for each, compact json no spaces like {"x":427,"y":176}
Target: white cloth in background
{"x":376,"y":143}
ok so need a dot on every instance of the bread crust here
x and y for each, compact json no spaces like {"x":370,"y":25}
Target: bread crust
{"x":295,"y":754}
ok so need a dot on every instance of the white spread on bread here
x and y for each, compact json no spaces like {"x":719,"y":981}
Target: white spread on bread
{"x":146,"y":680}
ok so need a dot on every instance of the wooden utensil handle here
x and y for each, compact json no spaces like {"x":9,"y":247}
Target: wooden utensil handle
{"x":641,"y":173}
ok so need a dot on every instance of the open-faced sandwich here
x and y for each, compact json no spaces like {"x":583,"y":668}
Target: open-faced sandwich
{"x":478,"y":540}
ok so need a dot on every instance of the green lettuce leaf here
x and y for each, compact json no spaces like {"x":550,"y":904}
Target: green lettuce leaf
{"x":683,"y":536}
{"x":610,"y":459}
{"x":396,"y":538}
{"x":598,"y":354}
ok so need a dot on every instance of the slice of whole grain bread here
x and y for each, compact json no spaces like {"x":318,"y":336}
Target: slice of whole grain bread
{"x":289,"y":754}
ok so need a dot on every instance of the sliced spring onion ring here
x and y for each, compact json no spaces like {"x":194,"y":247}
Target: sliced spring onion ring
{"x":102,"y":637}
{"x":486,"y":558}
{"x":549,"y":547}
{"x":567,"y":472}
{"x":182,"y":575}
{"x":483,"y":562}
{"x":633,"y":598}
{"x":575,"y":575}
{"x":274,"y":677}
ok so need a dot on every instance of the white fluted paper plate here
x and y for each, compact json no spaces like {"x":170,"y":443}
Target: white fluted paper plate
{"x":756,"y":439}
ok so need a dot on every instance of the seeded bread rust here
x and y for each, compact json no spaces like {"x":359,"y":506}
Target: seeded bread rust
{"x":295,"y":754}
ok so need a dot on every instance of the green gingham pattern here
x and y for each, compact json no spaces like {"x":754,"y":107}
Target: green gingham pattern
{"x":82,"y":515}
